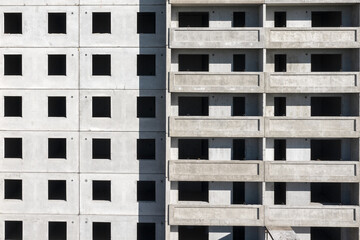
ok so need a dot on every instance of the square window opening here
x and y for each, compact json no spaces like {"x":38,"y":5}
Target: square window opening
{"x":146,"y":149}
{"x":146,"y":65}
{"x":13,"y":189}
{"x":13,"y":23}
{"x":57,"y":65}
{"x":12,"y":65}
{"x":57,"y":148}
{"x":57,"y":23}
{"x":101,"y":190}
{"x":56,"y":106}
{"x":239,"y":19}
{"x":101,"y":65}
{"x":146,"y":231}
{"x":146,"y":107}
{"x":146,"y":22}
{"x":101,"y":22}
{"x":146,"y":191}
{"x":101,"y":231}
{"x":101,"y":107}
{"x":13,"y":230}
{"x":101,"y":148}
{"x":13,"y":147}
{"x":57,"y":190}
{"x":12,"y":106}
{"x":57,"y":231}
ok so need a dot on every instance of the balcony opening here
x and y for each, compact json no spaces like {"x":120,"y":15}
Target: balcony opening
{"x":57,"y":65}
{"x":56,"y":106}
{"x":325,"y":233}
{"x":13,"y":189}
{"x":239,"y":62}
{"x":194,"y":62}
{"x":101,"y":190}
{"x":280,"y":106}
{"x":12,"y":106}
{"x":193,"y":149}
{"x":101,"y":22}
{"x":193,"y":106}
{"x":146,"y":191}
{"x":101,"y":107}
{"x":12,"y":65}
{"x":194,"y":191}
{"x":280,"y":193}
{"x":146,"y":65}
{"x":239,"y":233}
{"x":13,"y":230}
{"x":193,"y":19}
{"x":13,"y":23}
{"x":146,"y":22}
{"x":101,"y":65}
{"x":238,"y":107}
{"x":239,"y":19}
{"x":238,"y":150}
{"x":326,"y":193}
{"x":326,"y":106}
{"x":280,"y":62}
{"x":101,"y":148}
{"x":13,"y":147}
{"x":326,"y":150}
{"x":326,"y":19}
{"x":193,"y":233}
{"x":57,"y":148}
{"x":57,"y":231}
{"x":238,"y":193}
{"x":146,"y":107}
{"x":145,"y":149}
{"x":326,"y":63}
{"x":57,"y":190}
{"x":146,"y":231}
{"x":57,"y":23}
{"x":279,"y":149}
{"x":101,"y":231}
{"x":280,"y":19}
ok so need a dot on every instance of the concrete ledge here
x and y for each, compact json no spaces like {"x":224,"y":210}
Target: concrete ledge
{"x":219,"y":171}
{"x":245,"y":82}
{"x":314,"y":82}
{"x":311,"y":171}
{"x":216,"y":38}
{"x":214,"y":2}
{"x":216,"y":127}
{"x":312,"y":216}
{"x":231,"y":215}
{"x":339,"y":127}
{"x":309,"y":2}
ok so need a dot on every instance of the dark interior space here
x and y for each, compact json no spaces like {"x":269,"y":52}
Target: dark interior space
{"x":193,"y":233}
{"x":57,"y":65}
{"x":101,"y":22}
{"x":326,"y":63}
{"x":13,"y":23}
{"x":280,"y":193}
{"x":238,"y":107}
{"x":12,"y":65}
{"x":13,"y":230}
{"x":280,"y":19}
{"x":280,"y":63}
{"x":239,"y":233}
{"x":194,"y":62}
{"x":146,"y":107}
{"x":325,"y":233}
{"x":146,"y":231}
{"x":238,"y":150}
{"x":193,"y":19}
{"x":325,"y":106}
{"x":326,"y":19}
{"x":101,"y":231}
{"x":101,"y":107}
{"x":101,"y":190}
{"x":326,"y":150}
{"x":194,"y":191}
{"x":239,"y":62}
{"x":145,"y":149}
{"x":101,"y":148}
{"x":239,"y":19}
{"x":12,"y":106}
{"x":56,"y":106}
{"x":326,"y":193}
{"x":146,"y":191}
{"x":57,"y":190}
{"x":280,"y":106}
{"x":57,"y":148}
{"x":13,"y":147}
{"x":193,"y":149}
{"x":57,"y":23}
{"x":101,"y":65}
{"x":13,"y":189}
{"x":146,"y":65}
{"x":57,"y":231}
{"x":146,"y":22}
{"x":193,"y":106}
{"x":238,"y":193}
{"x":279,"y":149}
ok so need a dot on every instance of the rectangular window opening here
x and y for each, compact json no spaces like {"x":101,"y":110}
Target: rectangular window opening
{"x":325,"y":233}
{"x":146,"y":65}
{"x":326,"y":19}
{"x":280,"y":63}
{"x":101,"y":148}
{"x":279,"y":149}
{"x":193,"y":149}
{"x":194,"y":191}
{"x":239,"y":233}
{"x":239,"y":19}
{"x":238,"y":193}
{"x":146,"y":149}
{"x":13,"y":230}
{"x":193,"y":106}
{"x":57,"y":65}
{"x":194,"y":62}
{"x":101,"y":231}
{"x":193,"y":19}
{"x":193,"y":232}
{"x":57,"y":190}
{"x":280,"y":106}
{"x":238,"y":107}
{"x":238,"y":149}
{"x":57,"y":148}
{"x":57,"y":231}
{"x":13,"y":189}
{"x":326,"y":193}
{"x":13,"y":147}
{"x":13,"y":23}
{"x":325,"y":106}
{"x":280,"y":193}
{"x":146,"y":231}
{"x":146,"y":22}
{"x":280,"y":19}
{"x":56,"y":106}
{"x":146,"y":107}
{"x":146,"y":191}
{"x":12,"y":65}
{"x":326,"y":150}
{"x":239,"y":62}
{"x":57,"y":23}
{"x":101,"y":22}
{"x":101,"y":65}
{"x":326,"y":63}
{"x":101,"y":190}
{"x":101,"y":107}
{"x":12,"y":106}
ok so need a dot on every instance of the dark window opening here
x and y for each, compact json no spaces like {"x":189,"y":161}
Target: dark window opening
{"x":57,"y":65}
{"x":239,"y":62}
{"x":101,"y":22}
{"x":146,"y":149}
{"x":280,"y":19}
{"x":57,"y":23}
{"x":326,"y":193}
{"x":280,"y":106}
{"x":238,"y":233}
{"x":326,"y":19}
{"x":101,"y":231}
{"x":57,"y":148}
{"x":326,"y":106}
{"x":280,"y":193}
{"x":13,"y":230}
{"x":57,"y":106}
{"x":101,"y":148}
{"x":57,"y":190}
{"x":325,"y":233}
{"x":146,"y":107}
{"x":238,"y":149}
{"x":193,"y":148}
{"x":12,"y":106}
{"x":101,"y":107}
{"x":279,"y":149}
{"x":146,"y":231}
{"x":280,"y":63}
{"x":238,"y":108}
{"x":57,"y":230}
{"x":101,"y":190}
{"x":193,"y":233}
{"x":101,"y":65}
{"x":326,"y":150}
{"x":193,"y":19}
{"x":146,"y":22}
{"x":239,"y":19}
{"x":13,"y":148}
{"x":12,"y":65}
{"x":326,"y":63}
{"x":194,"y":62}
{"x":238,"y":194}
{"x":194,"y":191}
{"x":193,"y":106}
{"x":146,"y":65}
{"x":146,"y":191}
{"x":13,"y":189}
{"x":13,"y":23}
